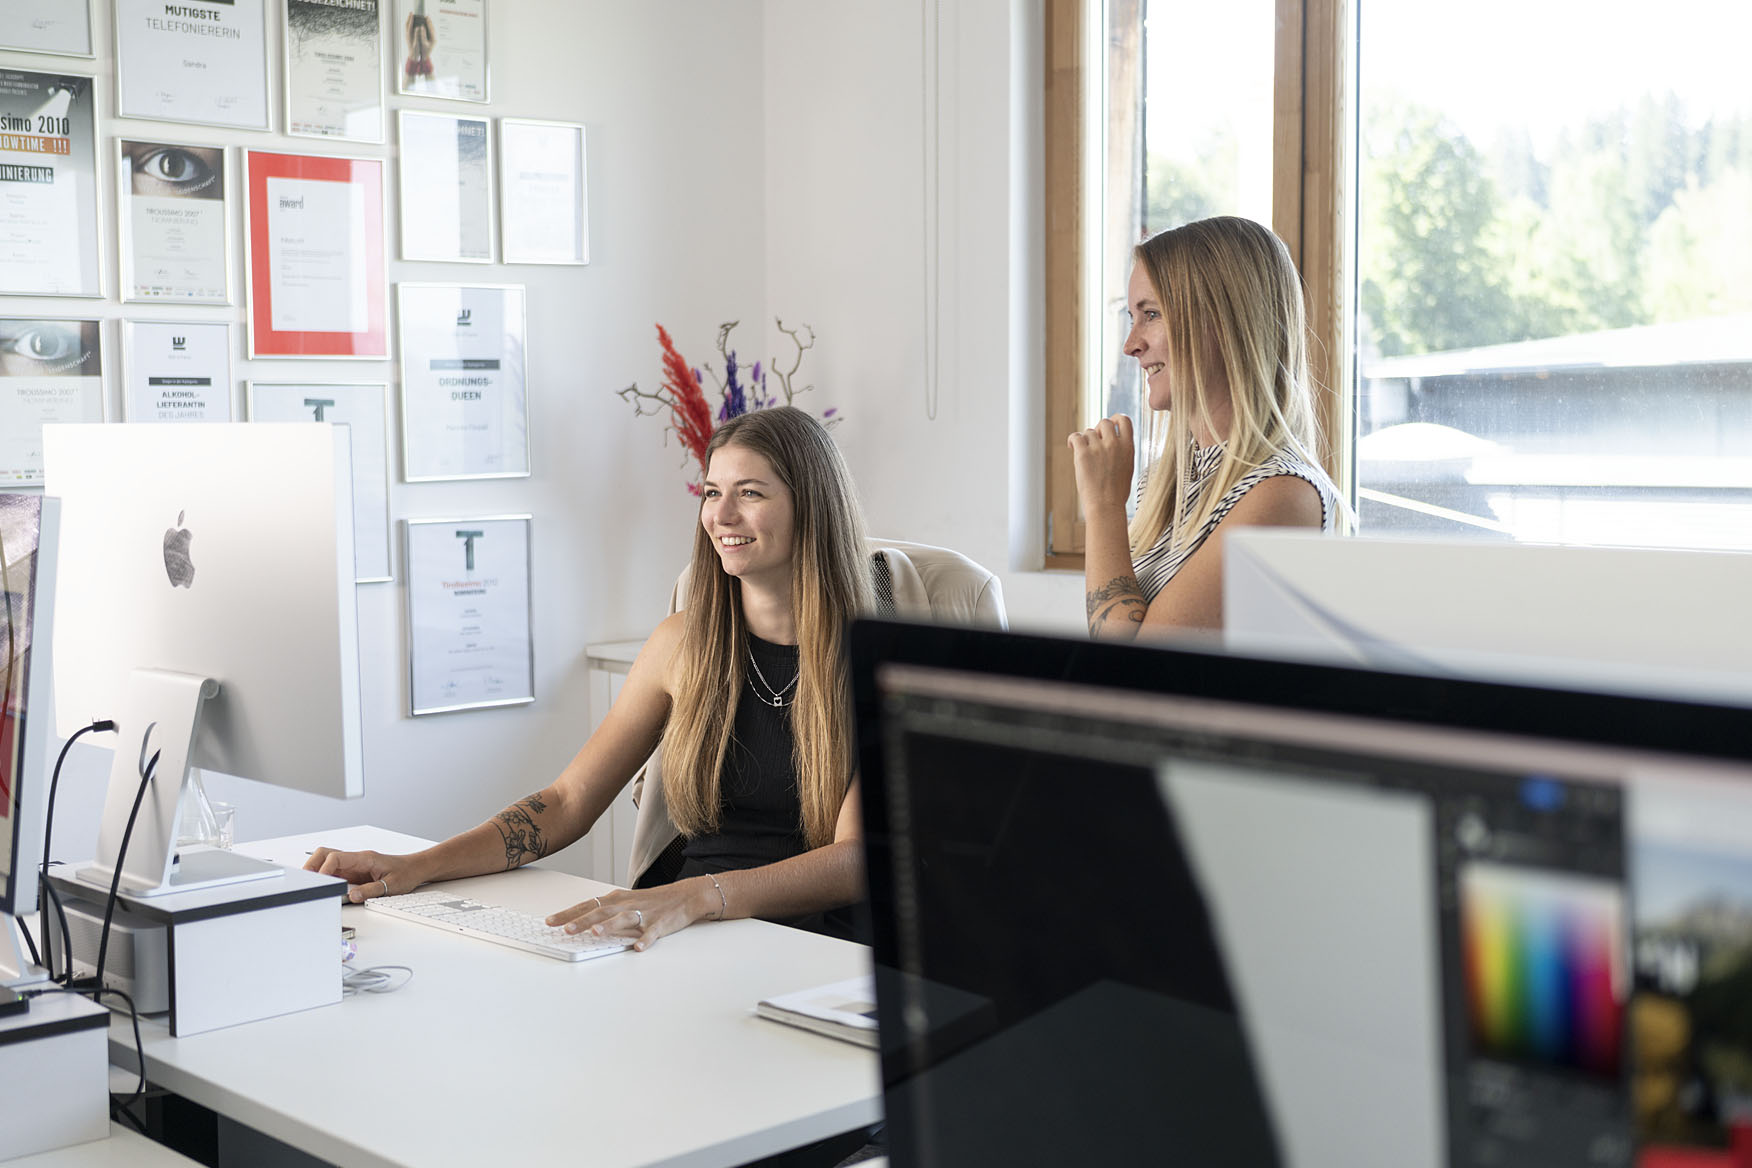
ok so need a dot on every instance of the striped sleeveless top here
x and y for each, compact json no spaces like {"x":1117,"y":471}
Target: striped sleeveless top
{"x":1158,"y":565}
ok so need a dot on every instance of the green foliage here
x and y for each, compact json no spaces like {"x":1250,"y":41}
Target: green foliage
{"x":1175,"y":193}
{"x":1636,"y":218}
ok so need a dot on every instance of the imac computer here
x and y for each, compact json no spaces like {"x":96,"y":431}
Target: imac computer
{"x":206,"y":605}
{"x":28,"y":532}
{"x":1140,"y":905}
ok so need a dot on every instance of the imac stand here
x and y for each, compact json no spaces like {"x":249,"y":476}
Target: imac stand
{"x":16,"y":968}
{"x":160,"y":718}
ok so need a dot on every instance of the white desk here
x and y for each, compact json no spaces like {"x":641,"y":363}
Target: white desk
{"x":491,"y":1055}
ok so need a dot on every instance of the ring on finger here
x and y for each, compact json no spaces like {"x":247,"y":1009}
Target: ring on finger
{"x":641,"y":916}
{"x":598,"y":901}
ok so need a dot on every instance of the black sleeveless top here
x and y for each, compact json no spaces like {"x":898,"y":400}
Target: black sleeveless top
{"x":759,"y":811}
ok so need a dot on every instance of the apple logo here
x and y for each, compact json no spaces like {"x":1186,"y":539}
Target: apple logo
{"x":177,"y":564}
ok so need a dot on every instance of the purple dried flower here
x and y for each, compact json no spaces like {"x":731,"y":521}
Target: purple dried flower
{"x":830,"y":413}
{"x":735,"y":401}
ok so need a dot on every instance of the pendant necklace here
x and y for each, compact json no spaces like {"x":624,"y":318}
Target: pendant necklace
{"x":776,"y":698}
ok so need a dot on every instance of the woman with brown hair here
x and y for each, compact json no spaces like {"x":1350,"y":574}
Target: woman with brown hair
{"x":1218,"y":331}
{"x":748,"y":692}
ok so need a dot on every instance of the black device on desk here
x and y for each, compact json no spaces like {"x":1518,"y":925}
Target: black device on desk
{"x":1134,"y":905}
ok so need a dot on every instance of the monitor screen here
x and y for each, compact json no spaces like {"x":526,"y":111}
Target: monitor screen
{"x":220,"y":551}
{"x":1134,"y":904}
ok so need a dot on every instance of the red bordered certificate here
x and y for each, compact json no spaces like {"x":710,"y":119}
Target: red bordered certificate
{"x":316,"y":258}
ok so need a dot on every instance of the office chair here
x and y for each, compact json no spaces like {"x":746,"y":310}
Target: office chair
{"x":914,"y":581}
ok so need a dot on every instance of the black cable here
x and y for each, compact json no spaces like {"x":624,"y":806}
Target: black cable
{"x":133,"y":1017}
{"x":109,"y":909}
{"x":46,"y":893}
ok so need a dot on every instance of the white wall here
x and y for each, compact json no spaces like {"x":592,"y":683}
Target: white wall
{"x":849,"y":126}
{"x":672,"y":97}
{"x":746,"y":160}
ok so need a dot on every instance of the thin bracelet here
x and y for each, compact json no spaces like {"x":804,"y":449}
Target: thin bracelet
{"x":723,"y":905}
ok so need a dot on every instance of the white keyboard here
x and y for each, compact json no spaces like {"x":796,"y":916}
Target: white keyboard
{"x":489,"y":922}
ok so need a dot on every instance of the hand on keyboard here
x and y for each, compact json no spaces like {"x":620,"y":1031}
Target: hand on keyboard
{"x":370,"y":873}
{"x":642,"y":915}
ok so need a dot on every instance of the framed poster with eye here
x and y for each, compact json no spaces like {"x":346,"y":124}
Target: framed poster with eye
{"x":470,"y":644}
{"x":173,"y":207}
{"x":334,"y":69}
{"x":49,"y":237}
{"x":50,"y":371}
{"x":62,"y":27}
{"x":315,"y":259}
{"x":203,"y":61}
{"x":363,"y":407}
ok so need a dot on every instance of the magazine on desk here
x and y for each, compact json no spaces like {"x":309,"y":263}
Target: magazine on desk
{"x":845,"y":1010}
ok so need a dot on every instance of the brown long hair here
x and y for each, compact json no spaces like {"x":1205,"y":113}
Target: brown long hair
{"x":830,"y":584}
{"x":1232,"y":301}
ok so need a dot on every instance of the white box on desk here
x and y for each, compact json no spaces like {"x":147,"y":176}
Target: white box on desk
{"x":242,"y":952}
{"x":54,"y":1064}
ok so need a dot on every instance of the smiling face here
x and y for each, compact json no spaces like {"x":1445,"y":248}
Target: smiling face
{"x":746,"y":511}
{"x":1148,"y":339}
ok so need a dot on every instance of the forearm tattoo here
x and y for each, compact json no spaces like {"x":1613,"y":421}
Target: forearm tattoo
{"x":1120,"y":599}
{"x":523,"y":838}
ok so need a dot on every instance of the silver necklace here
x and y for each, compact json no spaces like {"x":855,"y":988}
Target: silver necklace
{"x":773,"y":697}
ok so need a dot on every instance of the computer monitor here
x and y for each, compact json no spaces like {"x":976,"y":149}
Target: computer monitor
{"x":29,"y":526}
{"x":1653,"y":619}
{"x":1140,"y":905}
{"x":195,"y":556}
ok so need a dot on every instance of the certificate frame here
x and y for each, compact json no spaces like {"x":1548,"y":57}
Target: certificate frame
{"x":527,"y":147}
{"x":347,"y":31}
{"x":445,"y":434}
{"x":365,"y":306}
{"x":78,"y":11}
{"x":422,"y":171}
{"x":363,"y":406}
{"x":458,"y":33}
{"x":449,"y":555}
{"x":133,"y":156}
{"x":67,"y":347}
{"x":238,"y":78}
{"x":68,"y":232}
{"x":189,"y":350}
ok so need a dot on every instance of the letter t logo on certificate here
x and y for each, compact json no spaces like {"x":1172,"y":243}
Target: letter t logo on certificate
{"x":316,"y":256}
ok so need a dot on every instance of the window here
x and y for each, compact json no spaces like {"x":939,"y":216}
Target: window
{"x":1533,"y":323}
{"x":1160,"y":112}
{"x":1554,"y":328}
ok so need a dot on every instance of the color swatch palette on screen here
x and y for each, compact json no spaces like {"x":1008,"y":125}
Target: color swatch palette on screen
{"x":1545,"y":968}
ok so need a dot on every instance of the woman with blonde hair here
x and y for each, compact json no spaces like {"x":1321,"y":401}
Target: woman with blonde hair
{"x":1218,"y":330}
{"x":748,"y":691}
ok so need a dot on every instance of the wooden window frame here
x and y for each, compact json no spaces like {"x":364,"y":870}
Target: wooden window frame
{"x":1313,"y":161}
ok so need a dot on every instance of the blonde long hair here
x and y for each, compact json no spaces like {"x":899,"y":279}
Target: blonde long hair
{"x":830,"y":584}
{"x":1232,"y":303}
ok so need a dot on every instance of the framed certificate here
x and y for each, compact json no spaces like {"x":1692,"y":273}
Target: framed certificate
{"x":46,"y":26}
{"x":465,"y":406}
{"x":176,"y":371}
{"x":203,"y":61}
{"x":49,"y":238}
{"x":173,"y":207}
{"x":315,"y":256}
{"x":364,"y":408}
{"x":441,"y":48}
{"x":446,"y":188}
{"x":470,"y":645}
{"x":50,"y":371}
{"x":542,"y":200}
{"x":334,"y":69}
